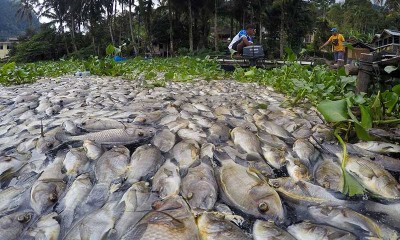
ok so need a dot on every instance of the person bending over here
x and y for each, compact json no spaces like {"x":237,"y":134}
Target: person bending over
{"x":243,"y":39}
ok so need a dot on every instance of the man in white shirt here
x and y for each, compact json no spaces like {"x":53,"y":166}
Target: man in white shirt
{"x":243,"y":39}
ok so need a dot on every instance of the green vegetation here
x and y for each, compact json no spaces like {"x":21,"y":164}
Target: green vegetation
{"x":84,"y":28}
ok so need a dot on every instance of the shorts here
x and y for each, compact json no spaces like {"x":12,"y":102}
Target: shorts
{"x":234,"y":46}
{"x":338,"y":55}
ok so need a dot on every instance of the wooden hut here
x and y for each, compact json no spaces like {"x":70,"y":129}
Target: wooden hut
{"x":388,"y":41}
{"x":353,"y":53}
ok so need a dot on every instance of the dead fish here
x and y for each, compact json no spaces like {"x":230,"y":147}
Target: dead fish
{"x":170,"y":219}
{"x":92,"y":149}
{"x":305,"y":151}
{"x":199,"y":187}
{"x":274,"y":129}
{"x":307,"y":230}
{"x":11,"y":226}
{"x":144,"y":163}
{"x":329,"y":174}
{"x":379,"y":147}
{"x":267,"y":230}
{"x":349,"y":220}
{"x":47,"y":227}
{"x":167,"y":180}
{"x":218,"y":133}
{"x":274,"y":156}
{"x":254,"y":197}
{"x":296,"y":169}
{"x":77,"y":192}
{"x":186,"y":153}
{"x":132,"y":135}
{"x":304,"y":192}
{"x":247,"y":142}
{"x":373,"y":177}
{"x":164,"y":140}
{"x":214,"y":226}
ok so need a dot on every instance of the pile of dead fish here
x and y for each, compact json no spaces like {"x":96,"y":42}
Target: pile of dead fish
{"x":103,"y":158}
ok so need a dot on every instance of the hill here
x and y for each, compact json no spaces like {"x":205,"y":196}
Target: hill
{"x":10,"y":24}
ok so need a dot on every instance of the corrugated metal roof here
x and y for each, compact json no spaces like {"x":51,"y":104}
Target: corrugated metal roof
{"x":392,"y":32}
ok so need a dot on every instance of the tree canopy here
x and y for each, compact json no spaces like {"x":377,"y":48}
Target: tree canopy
{"x":88,"y":26}
{"x":15,"y":19}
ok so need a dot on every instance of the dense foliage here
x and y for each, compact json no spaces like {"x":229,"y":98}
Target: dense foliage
{"x":84,"y":28}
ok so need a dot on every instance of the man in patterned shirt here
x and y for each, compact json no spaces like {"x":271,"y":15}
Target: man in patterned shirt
{"x":243,"y":39}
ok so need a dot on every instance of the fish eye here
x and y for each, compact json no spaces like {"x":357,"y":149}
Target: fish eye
{"x":49,"y":145}
{"x":53,"y":197}
{"x":275,"y":184}
{"x":190,"y":196}
{"x":140,"y":134}
{"x":263,"y":207}
{"x":24,"y":218}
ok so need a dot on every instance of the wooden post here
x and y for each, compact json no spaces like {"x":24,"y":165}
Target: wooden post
{"x":364,"y":73}
{"x":351,"y":69}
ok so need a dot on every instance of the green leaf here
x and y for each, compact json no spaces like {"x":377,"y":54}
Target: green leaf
{"x":249,"y":73}
{"x":376,"y":107}
{"x":341,"y":71}
{"x":390,"y":100}
{"x":348,"y":45}
{"x":290,"y":55}
{"x":390,"y":69}
{"x":359,"y":99}
{"x":169,"y":75}
{"x":396,"y":89}
{"x":110,"y":50}
{"x":8,"y":66}
{"x":334,"y":111}
{"x":351,"y":187}
{"x":262,"y":106}
{"x":366,"y":119}
{"x":349,"y":105}
{"x":362,"y":133}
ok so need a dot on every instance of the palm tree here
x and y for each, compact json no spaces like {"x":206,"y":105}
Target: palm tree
{"x":26,"y":10}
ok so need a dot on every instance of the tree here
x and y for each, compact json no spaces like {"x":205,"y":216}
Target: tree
{"x":26,"y":10}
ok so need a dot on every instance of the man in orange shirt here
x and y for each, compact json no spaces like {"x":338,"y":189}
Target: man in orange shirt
{"x":336,"y":40}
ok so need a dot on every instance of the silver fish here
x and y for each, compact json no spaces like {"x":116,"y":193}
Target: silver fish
{"x":213,"y":226}
{"x":47,"y":227}
{"x":11,"y":226}
{"x":379,"y":147}
{"x":144,"y":163}
{"x":351,"y":221}
{"x":132,"y":135}
{"x":260,"y":199}
{"x":171,"y":219}
{"x":199,"y":187}
{"x":247,"y":142}
{"x":164,"y":140}
{"x":307,"y":230}
{"x":167,"y":180}
{"x":267,"y":230}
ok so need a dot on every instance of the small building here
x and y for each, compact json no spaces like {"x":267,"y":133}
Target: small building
{"x":388,"y":41}
{"x":353,"y":53}
{"x":5,"y":47}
